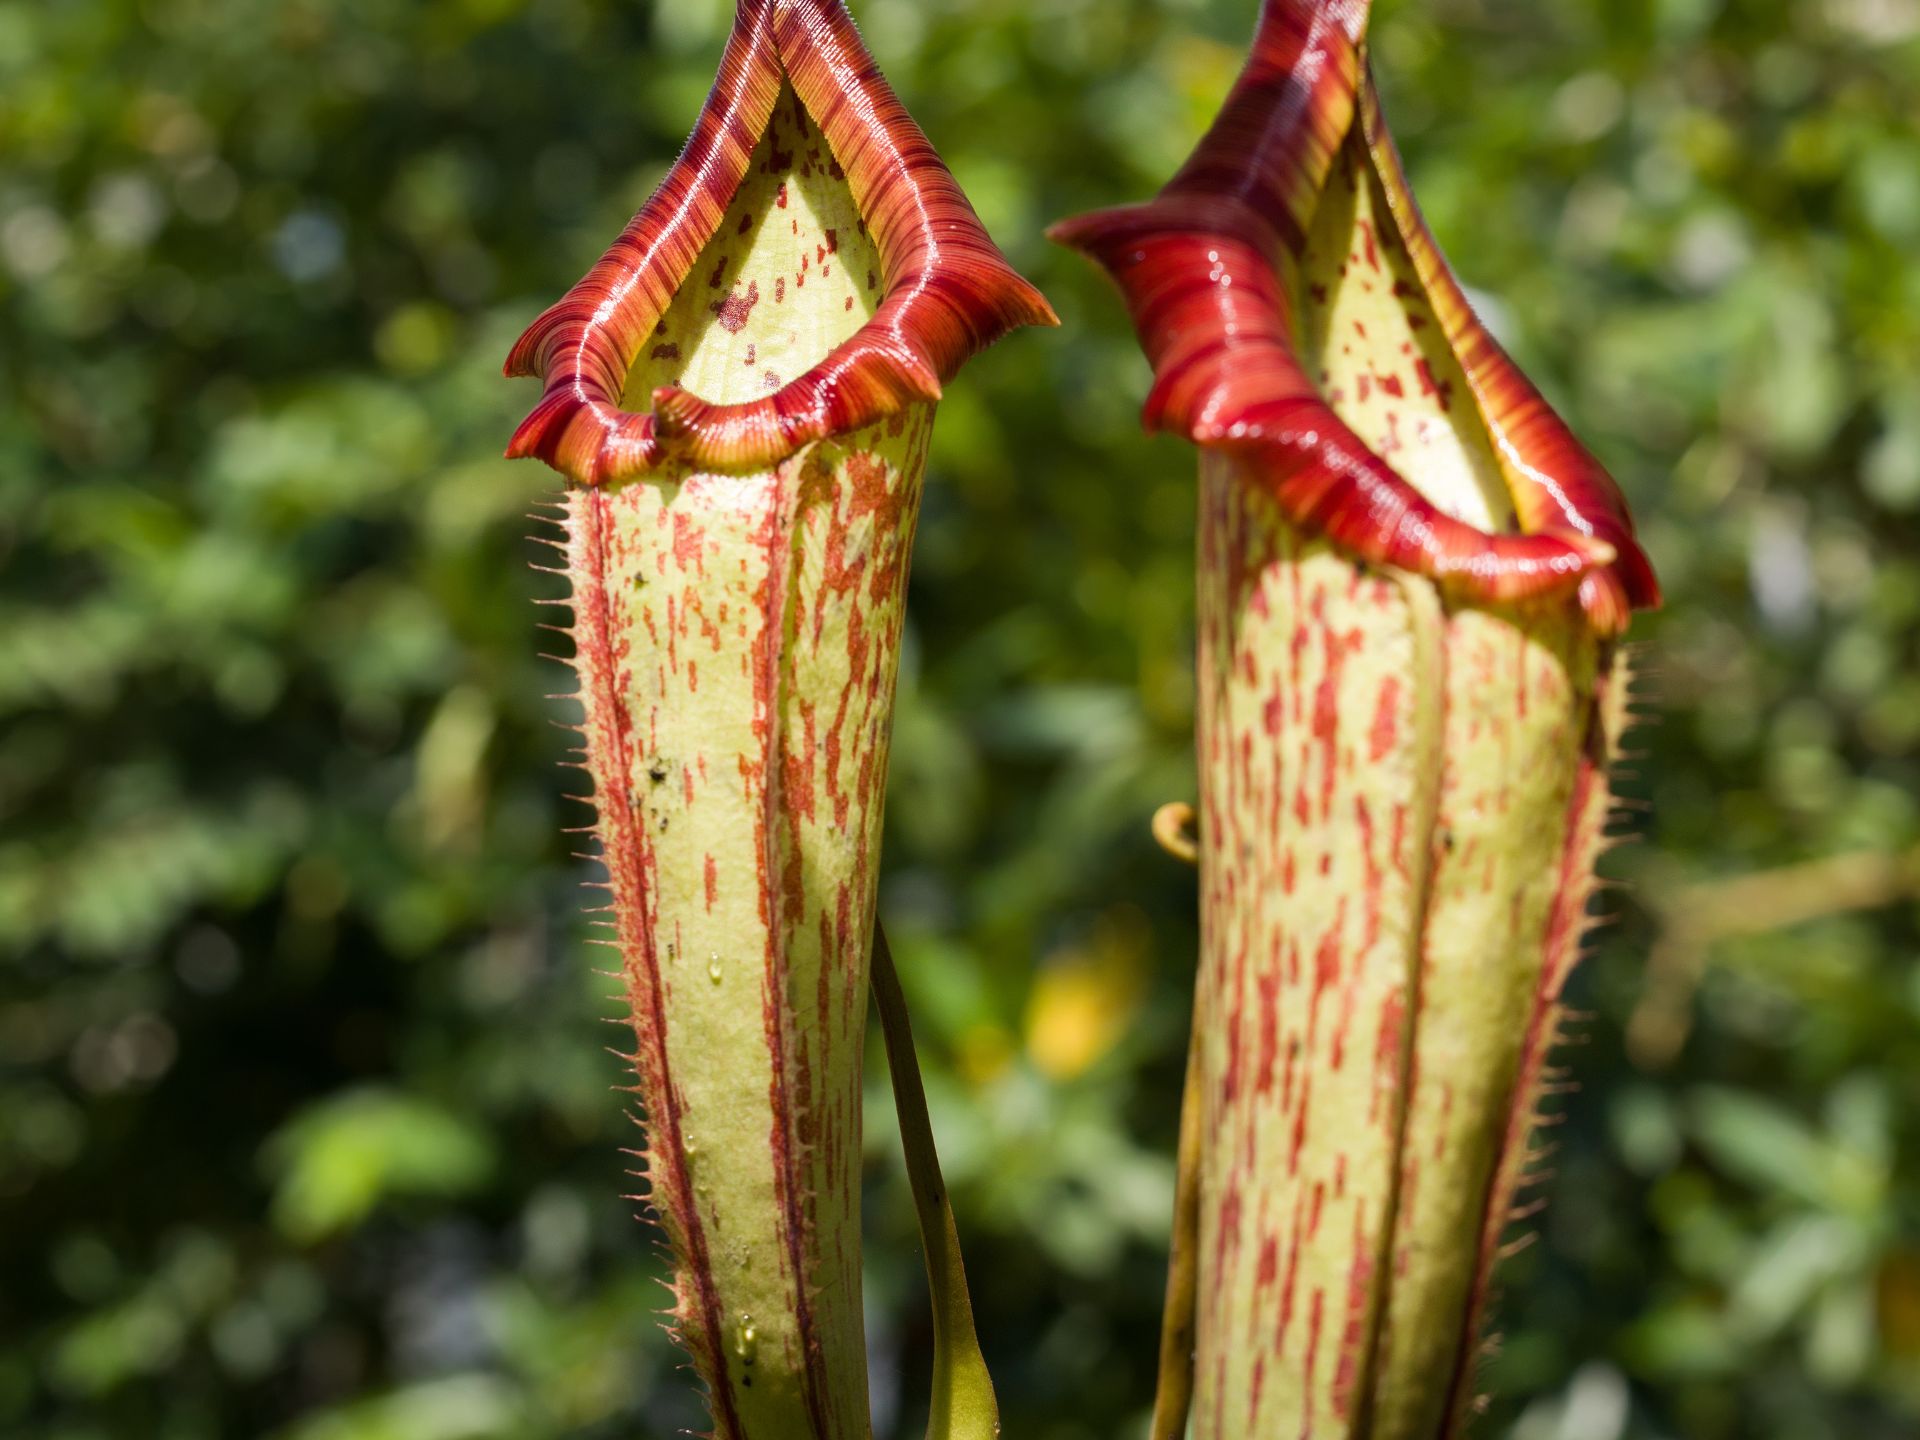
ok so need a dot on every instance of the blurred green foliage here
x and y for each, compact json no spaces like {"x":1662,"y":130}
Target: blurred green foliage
{"x":306,"y":1125}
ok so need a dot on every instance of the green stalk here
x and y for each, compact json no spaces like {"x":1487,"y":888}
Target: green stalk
{"x":963,"y":1407}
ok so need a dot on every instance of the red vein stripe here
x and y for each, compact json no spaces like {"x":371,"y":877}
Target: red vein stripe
{"x":1200,"y":268}
{"x":795,"y":1234}
{"x":1569,"y":923}
{"x":626,"y":853}
{"x":948,"y":292}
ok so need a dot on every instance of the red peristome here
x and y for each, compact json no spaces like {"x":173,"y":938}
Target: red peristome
{"x":584,"y":344}
{"x":948,"y":290}
{"x":1217,"y":326}
{"x":1200,"y":267}
{"x":1555,"y":480}
{"x":1289,"y":109}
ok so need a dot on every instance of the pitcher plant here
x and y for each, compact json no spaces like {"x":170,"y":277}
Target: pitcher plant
{"x":741,"y":392}
{"x":1413,"y":581}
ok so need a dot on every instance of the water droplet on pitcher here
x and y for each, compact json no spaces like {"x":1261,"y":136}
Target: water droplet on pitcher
{"x":713,"y":968}
{"x":746,"y":1341}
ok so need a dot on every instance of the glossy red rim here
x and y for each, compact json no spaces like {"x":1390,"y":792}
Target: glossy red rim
{"x":947,"y":290}
{"x":1200,"y":267}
